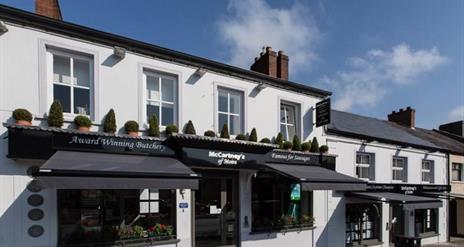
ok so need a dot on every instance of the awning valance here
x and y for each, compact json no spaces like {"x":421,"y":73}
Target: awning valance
{"x":319,"y":178}
{"x":86,"y":170}
{"x":409,"y":202}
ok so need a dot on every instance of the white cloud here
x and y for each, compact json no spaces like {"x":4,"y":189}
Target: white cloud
{"x":252,"y":24}
{"x":366,"y":79}
{"x":456,"y":113}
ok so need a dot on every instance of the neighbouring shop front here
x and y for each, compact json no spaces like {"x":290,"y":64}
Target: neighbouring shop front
{"x":412,"y":213}
{"x":120,"y":190}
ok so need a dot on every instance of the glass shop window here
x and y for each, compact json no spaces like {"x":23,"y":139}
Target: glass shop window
{"x":426,"y":221}
{"x":278,"y":202}
{"x":362,"y":223}
{"x":115,"y":217}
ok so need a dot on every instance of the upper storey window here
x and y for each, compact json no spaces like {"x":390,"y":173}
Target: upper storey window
{"x":288,"y":120}
{"x":399,"y":169}
{"x":161,"y":97}
{"x":72,"y":82}
{"x":230,"y":110}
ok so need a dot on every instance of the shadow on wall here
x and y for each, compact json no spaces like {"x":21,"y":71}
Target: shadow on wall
{"x":333,"y":233}
{"x":308,"y":121}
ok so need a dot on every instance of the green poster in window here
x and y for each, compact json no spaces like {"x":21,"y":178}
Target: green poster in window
{"x":295,"y":192}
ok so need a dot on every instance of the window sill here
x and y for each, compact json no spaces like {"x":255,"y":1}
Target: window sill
{"x":369,"y":242}
{"x":267,"y":230}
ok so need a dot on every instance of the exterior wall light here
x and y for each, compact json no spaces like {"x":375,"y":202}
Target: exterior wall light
{"x":200,"y":72}
{"x":260,"y":86}
{"x":119,"y":52}
{"x":3,"y":28}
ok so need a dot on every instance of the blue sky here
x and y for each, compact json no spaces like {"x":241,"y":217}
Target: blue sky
{"x":376,"y":56}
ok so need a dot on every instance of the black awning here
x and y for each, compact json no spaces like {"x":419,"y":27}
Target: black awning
{"x":409,"y":202}
{"x":319,"y":178}
{"x":79,"y":170}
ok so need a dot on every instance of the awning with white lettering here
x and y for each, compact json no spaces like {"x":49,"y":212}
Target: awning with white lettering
{"x":319,"y":178}
{"x":88,"y":170}
{"x":409,"y":202}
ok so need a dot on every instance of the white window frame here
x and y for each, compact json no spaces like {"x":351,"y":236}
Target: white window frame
{"x":50,"y":52}
{"x":395,"y":168}
{"x":296,"y":115}
{"x":429,"y":171}
{"x":160,"y":101}
{"x":228,"y":113}
{"x":460,"y":179}
{"x":362,"y":165}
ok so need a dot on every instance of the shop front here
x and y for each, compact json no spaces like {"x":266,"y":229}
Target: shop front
{"x":397,"y":214}
{"x":182,"y":191}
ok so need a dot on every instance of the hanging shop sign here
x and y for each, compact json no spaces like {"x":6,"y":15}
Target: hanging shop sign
{"x":323,"y":112}
{"x":407,"y":188}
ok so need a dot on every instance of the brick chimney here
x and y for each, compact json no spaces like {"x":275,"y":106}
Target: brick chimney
{"x":282,"y":66}
{"x":48,"y":8}
{"x":456,"y":128}
{"x":266,"y":63}
{"x":404,"y":117}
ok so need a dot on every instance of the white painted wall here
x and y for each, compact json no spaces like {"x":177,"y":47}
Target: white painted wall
{"x":23,"y":84}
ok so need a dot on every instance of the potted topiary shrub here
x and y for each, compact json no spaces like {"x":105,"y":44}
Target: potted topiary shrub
{"x":82,"y":123}
{"x":314,"y":146}
{"x":55,"y":115}
{"x":225,"y":132}
{"x":189,"y":128}
{"x":132,"y":128}
{"x":22,"y":117}
{"x":305,"y":147}
{"x":296,"y":143}
{"x":210,"y":133}
{"x":324,"y":149}
{"x":265,"y":140}
{"x":279,"y":140}
{"x":287,"y":145}
{"x":109,"y":126}
{"x":253,"y":136}
{"x":171,"y":129}
{"x":240,"y":137}
{"x":153,"y":126}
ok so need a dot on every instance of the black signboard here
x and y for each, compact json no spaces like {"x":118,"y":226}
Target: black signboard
{"x":323,"y":112}
{"x":220,"y":158}
{"x":407,"y":188}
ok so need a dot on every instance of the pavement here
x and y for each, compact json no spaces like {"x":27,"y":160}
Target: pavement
{"x":455,"y":242}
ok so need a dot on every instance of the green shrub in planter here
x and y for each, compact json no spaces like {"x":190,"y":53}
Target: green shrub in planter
{"x":189,"y":128}
{"x":55,"y":115}
{"x":279,"y":140}
{"x":82,"y":121}
{"x":22,"y":115}
{"x":153,"y":126}
{"x":109,"y":126}
{"x":131,"y":126}
{"x":241,"y":137}
{"x":305,"y":146}
{"x":314,"y":146}
{"x":225,"y":132}
{"x":171,"y":129}
{"x":296,"y":143}
{"x":287,"y":145}
{"x":210,"y":133}
{"x":253,"y":136}
{"x":324,"y":149}
{"x":265,"y":140}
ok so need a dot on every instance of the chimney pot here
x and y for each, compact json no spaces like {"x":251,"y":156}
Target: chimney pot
{"x":268,"y":48}
{"x":48,"y":8}
{"x":404,"y":117}
{"x":266,"y":63}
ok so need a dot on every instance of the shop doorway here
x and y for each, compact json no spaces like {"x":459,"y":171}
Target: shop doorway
{"x":216,"y":213}
{"x":396,"y":222}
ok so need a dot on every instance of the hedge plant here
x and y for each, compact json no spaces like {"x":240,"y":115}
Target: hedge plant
{"x":265,"y":140}
{"x":153,"y":126}
{"x":314,"y":146}
{"x":324,"y":149}
{"x":22,"y":114}
{"x":253,"y":136}
{"x":55,"y":115}
{"x":241,"y":137}
{"x":131,"y":126}
{"x":287,"y":145}
{"x":109,"y":125}
{"x":82,"y":121}
{"x":305,"y":146}
{"x":225,"y":131}
{"x":279,"y":140}
{"x":296,"y":143}
{"x":210,"y":133}
{"x":171,"y":129}
{"x":189,"y":128}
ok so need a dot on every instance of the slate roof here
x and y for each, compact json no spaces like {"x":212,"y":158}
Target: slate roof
{"x":439,"y":139}
{"x":357,"y":126}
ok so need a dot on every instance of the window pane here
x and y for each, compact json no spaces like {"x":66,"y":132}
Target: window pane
{"x":63,"y":95}
{"x":282,"y":114}
{"x":153,"y":109}
{"x":222,"y":101}
{"x":236,"y":102}
{"x":222,"y":119}
{"x":283,"y":130}
{"x":426,"y":176}
{"x":61,"y":69}
{"x":167,"y":114}
{"x":290,"y":115}
{"x":153,"y":88}
{"x":291,"y":132}
{"x":235,"y":125}
{"x":81,"y":101}
{"x":455,"y":175}
{"x":167,"y":89}
{"x":82,"y":72}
